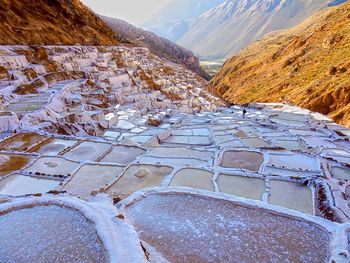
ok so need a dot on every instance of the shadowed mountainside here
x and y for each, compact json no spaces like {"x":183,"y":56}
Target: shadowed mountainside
{"x":308,"y":65}
{"x":231,"y":26}
{"x":43,"y":22}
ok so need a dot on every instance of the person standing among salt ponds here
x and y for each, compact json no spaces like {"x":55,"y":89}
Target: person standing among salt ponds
{"x":244,"y":113}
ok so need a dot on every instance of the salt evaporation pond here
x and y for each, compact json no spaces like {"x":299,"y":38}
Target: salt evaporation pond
{"x":242,"y":160}
{"x":49,"y":234}
{"x":193,"y":228}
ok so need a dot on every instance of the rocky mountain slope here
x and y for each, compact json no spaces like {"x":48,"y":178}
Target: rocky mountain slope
{"x":159,"y":46}
{"x":308,"y":65}
{"x":52,"y":22}
{"x":174,"y":19}
{"x":229,"y":27}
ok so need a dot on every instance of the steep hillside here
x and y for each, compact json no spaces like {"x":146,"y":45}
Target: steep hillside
{"x":51,"y":22}
{"x":174,"y":19}
{"x":231,"y":26}
{"x":308,"y":66}
{"x":159,"y":46}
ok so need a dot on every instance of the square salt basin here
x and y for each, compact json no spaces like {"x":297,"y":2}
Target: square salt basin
{"x":22,"y":142}
{"x":52,"y":166}
{"x":288,"y":144}
{"x":18,"y":184}
{"x":294,"y":161}
{"x":255,"y":142}
{"x":88,"y":151}
{"x":122,"y":154}
{"x":190,"y":140}
{"x":180,"y":153}
{"x":340,"y":173}
{"x":137,"y":177}
{"x":13,"y":162}
{"x":54,"y":146}
{"x":291,"y":195}
{"x":247,"y":187}
{"x":242,"y":160}
{"x":91,"y":177}
{"x":194,"y":178}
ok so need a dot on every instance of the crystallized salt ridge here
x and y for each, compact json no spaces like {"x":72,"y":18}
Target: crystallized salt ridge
{"x":338,"y":242}
{"x":120,"y":239}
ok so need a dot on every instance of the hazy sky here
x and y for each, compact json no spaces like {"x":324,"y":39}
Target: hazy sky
{"x":133,"y":11}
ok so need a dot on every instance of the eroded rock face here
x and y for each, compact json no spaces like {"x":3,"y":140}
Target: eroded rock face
{"x":30,"y":22}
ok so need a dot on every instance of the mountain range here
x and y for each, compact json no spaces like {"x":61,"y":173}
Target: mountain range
{"x":308,"y":66}
{"x":222,"y":28}
{"x":174,"y":19}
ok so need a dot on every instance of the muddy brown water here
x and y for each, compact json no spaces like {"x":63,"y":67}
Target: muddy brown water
{"x":242,"y":160}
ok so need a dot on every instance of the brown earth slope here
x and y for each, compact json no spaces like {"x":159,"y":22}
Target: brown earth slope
{"x":46,"y":22}
{"x":159,"y":46}
{"x":308,"y":65}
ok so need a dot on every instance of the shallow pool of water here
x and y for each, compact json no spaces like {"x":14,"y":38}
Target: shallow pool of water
{"x":11,"y":162}
{"x":247,"y":187}
{"x":340,"y":173}
{"x":49,"y":234}
{"x":195,"y":178}
{"x":17,"y":184}
{"x":242,"y":160}
{"x":122,"y":154}
{"x":88,"y":151}
{"x":137,"y":177}
{"x":191,"y":228}
{"x":91,"y":177}
{"x":52,"y":166}
{"x":291,"y":195}
{"x":21,"y":142}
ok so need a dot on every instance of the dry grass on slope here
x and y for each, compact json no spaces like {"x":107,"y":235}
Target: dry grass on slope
{"x":307,"y":66}
{"x":44,"y":22}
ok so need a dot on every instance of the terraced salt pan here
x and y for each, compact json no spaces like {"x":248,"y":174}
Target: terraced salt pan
{"x":307,"y":133}
{"x":195,"y":178}
{"x":12,"y":162}
{"x":190,"y":140}
{"x":21,"y":142}
{"x":54,"y":146}
{"x":49,"y":234}
{"x":174,"y":161}
{"x":242,"y":160}
{"x":193,"y":228}
{"x":255,"y":142}
{"x":191,"y":132}
{"x":340,"y":155}
{"x":52,"y":166}
{"x":223,"y":138}
{"x":91,"y":177}
{"x":288,"y":144}
{"x":87,"y":151}
{"x":141,"y":138}
{"x":294,"y":161}
{"x":18,"y":184}
{"x":122,"y":154}
{"x":179,"y":152}
{"x":247,"y":187}
{"x":288,"y":122}
{"x":137,"y":177}
{"x":291,"y":195}
{"x":340,"y":173}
